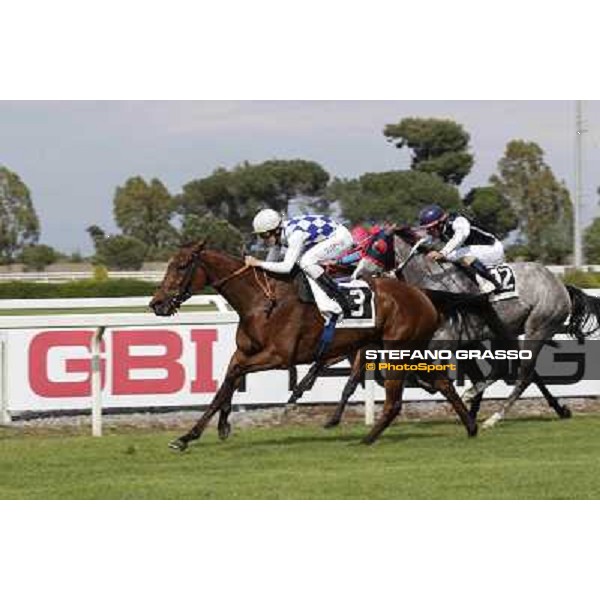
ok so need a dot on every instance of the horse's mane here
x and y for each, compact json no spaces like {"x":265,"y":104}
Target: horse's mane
{"x":406,"y":233}
{"x":427,"y":274}
{"x":204,"y":245}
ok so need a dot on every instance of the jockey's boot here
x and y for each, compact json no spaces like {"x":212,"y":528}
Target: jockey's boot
{"x":333,"y":291}
{"x":482,"y":270}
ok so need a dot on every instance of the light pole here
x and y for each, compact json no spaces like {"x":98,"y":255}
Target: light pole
{"x":579,"y":131}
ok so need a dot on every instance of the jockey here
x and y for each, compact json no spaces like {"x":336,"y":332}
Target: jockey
{"x":310,"y":240}
{"x":466,"y":243}
{"x":377,"y":255}
{"x":361,"y":239}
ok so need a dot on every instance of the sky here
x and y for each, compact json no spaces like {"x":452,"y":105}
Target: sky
{"x":73,"y":154}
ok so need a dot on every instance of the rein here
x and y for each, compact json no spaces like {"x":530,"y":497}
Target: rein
{"x":265,"y":285}
{"x":225,"y":279}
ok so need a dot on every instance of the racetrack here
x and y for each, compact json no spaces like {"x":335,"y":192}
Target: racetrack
{"x":522,"y":458}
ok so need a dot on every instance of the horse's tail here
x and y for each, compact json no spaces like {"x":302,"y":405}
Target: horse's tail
{"x":585,"y":314}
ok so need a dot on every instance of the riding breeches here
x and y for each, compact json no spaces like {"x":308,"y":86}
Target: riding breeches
{"x":491,"y":255}
{"x":330,"y":249}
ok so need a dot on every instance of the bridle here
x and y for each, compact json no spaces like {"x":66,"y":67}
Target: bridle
{"x":264,"y":285}
{"x":186,"y":286}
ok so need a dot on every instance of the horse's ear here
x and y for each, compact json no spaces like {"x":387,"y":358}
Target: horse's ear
{"x":199,"y":246}
{"x":244,"y":247}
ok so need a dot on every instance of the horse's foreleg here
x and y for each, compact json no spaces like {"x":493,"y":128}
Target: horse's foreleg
{"x":239,"y":365}
{"x":474,"y":394}
{"x":221,"y":399}
{"x":391,"y":408}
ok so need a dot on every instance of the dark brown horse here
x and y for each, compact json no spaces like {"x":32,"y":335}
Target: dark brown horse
{"x":277,"y":330}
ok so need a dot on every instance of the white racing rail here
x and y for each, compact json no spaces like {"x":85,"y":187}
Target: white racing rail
{"x":101,"y":322}
{"x":218,"y":302}
{"x":62,"y":276}
{"x":156,"y":276}
{"x":221,"y":314}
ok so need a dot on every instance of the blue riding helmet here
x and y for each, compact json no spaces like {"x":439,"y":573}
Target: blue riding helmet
{"x":430,"y":215}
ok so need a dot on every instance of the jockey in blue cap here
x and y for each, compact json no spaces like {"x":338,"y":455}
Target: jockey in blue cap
{"x":465,"y":243}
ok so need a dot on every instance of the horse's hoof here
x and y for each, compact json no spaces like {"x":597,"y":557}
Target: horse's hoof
{"x":331,"y":424}
{"x":472,"y":431}
{"x":224,"y":431}
{"x":566,"y":413}
{"x":178,"y":445}
{"x":469,"y":396}
{"x":491,"y":421}
{"x":368,"y":441}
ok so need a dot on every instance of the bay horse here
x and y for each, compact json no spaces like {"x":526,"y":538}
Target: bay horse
{"x":277,"y":330}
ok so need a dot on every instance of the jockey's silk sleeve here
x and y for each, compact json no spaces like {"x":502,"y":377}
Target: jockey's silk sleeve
{"x":274,"y":253}
{"x":350,"y":259}
{"x":461,"y":229}
{"x":292,"y":254}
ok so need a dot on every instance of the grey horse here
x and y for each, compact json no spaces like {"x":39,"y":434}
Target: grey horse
{"x":543,"y":305}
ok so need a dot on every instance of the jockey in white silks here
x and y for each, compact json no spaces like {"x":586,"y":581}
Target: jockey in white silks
{"x":309,"y":241}
{"x":465,"y":243}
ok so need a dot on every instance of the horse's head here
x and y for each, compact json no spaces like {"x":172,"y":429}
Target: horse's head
{"x":184,"y":277}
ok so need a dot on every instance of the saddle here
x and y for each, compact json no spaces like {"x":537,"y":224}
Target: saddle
{"x":302,"y":286}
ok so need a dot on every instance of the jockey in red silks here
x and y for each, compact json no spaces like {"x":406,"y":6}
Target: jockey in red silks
{"x":361,"y":238}
{"x":373,"y":253}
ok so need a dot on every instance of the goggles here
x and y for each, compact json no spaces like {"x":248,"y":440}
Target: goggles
{"x":265,"y":235}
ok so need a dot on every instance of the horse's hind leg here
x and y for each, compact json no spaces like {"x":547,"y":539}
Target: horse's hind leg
{"x":306,"y":383}
{"x":564,"y":412}
{"x":391,"y":408}
{"x":526,"y":374}
{"x":349,"y":389}
{"x":442,"y":384}
{"x":224,"y":427}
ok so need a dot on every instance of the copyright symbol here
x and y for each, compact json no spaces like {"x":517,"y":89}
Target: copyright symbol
{"x":370,"y":366}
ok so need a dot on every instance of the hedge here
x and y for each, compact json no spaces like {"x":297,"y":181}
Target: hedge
{"x":582,"y":279}
{"x":84,"y":288}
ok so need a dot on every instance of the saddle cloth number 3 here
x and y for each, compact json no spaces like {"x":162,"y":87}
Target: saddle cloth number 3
{"x":360,"y":298}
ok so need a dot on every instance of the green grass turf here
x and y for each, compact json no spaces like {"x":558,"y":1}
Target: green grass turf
{"x":522,"y":458}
